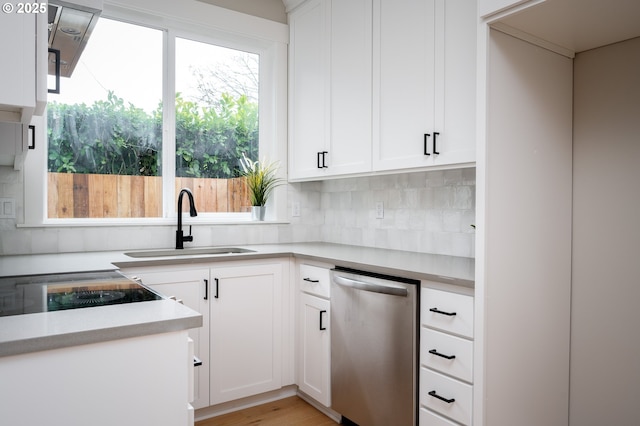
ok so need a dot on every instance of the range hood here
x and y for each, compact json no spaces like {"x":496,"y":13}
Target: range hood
{"x":70,"y":25}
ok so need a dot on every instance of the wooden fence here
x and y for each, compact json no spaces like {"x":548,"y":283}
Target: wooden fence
{"x":73,"y":195}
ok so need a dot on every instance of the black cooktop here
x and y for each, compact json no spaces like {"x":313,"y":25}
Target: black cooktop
{"x":45,"y":293}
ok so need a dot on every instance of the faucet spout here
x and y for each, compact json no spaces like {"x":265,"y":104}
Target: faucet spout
{"x":180,"y":237}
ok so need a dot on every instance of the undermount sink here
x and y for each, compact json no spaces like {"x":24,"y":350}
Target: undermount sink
{"x":189,"y":252}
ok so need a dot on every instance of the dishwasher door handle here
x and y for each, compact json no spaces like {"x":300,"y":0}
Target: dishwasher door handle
{"x":376,"y":288}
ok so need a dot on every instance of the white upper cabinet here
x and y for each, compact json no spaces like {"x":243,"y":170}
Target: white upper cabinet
{"x":424,"y":83}
{"x":308,"y":82}
{"x":330,"y":88}
{"x":23,"y":43}
{"x":381,"y":85}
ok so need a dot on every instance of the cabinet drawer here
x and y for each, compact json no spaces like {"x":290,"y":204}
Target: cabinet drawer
{"x":427,"y":418}
{"x":450,"y":312}
{"x":446,"y":346}
{"x":315,"y":280}
{"x":459,"y":396}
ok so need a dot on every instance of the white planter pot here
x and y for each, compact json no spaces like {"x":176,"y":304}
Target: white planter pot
{"x":257,"y":212}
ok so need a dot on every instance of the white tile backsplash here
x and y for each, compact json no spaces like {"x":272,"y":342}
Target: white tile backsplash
{"x":423,"y":211}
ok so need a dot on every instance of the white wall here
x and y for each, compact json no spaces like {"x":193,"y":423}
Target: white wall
{"x":605,"y":343}
{"x":523,"y":295}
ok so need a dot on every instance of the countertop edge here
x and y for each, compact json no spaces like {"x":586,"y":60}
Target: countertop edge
{"x":154,"y":317}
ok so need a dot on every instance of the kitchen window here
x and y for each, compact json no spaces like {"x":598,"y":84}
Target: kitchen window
{"x":155,"y":106}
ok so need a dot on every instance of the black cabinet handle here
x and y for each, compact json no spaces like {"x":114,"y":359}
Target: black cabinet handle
{"x":206,"y":289}
{"x":321,"y":159}
{"x":435,"y":395}
{"x":32,"y":143}
{"x":217,"y":288}
{"x":437,"y":311}
{"x":321,"y":326}
{"x":435,"y":150}
{"x":435,"y":352}
{"x":197,"y":362}
{"x":56,"y":54}
{"x":426,"y":143}
{"x":311,"y":280}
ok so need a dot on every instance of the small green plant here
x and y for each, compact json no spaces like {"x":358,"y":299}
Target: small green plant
{"x":261,"y":179}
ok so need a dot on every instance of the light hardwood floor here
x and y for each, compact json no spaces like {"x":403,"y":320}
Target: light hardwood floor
{"x":291,"y":411}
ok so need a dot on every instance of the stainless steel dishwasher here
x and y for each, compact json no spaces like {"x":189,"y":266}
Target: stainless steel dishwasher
{"x":373,"y":348}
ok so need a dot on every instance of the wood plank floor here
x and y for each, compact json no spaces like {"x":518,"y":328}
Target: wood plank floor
{"x":292,"y":411}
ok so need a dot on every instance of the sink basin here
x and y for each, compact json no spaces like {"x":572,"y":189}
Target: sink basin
{"x":188,"y":252}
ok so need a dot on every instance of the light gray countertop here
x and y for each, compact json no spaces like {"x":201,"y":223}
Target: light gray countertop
{"x":21,"y":334}
{"x":449,"y":269}
{"x":33,"y":332}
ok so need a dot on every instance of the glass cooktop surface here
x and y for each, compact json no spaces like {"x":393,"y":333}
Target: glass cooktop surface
{"x":46,"y":293}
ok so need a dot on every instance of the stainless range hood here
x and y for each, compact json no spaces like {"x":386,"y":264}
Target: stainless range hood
{"x":70,"y":25}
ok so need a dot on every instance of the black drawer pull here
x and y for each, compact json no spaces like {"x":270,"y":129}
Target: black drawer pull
{"x":449,"y":314}
{"x":435,"y":352}
{"x":311,"y":280}
{"x":322,"y":327}
{"x":435,"y":136}
{"x":435,"y":395}
{"x":206,"y":289}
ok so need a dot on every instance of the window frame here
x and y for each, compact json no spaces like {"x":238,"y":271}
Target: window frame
{"x":209,"y":24}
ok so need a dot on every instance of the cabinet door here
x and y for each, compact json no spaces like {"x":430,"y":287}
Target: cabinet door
{"x":424,"y":83}
{"x":404,"y":76}
{"x":330,"y":86}
{"x":308,"y":89}
{"x":23,"y":85}
{"x":190,"y":287}
{"x":455,"y":113}
{"x":246,"y":330}
{"x":349,"y":149}
{"x":314,"y":356}
{"x":14,"y":139}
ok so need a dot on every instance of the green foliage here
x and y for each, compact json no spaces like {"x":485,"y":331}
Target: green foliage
{"x":110,"y":137}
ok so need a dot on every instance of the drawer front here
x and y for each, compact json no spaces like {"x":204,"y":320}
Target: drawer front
{"x":444,"y":347}
{"x":450,"y":312}
{"x":315,"y":280}
{"x":458,"y":395}
{"x":427,"y":418}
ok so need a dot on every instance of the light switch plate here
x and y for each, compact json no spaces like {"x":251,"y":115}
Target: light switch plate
{"x":7,"y":208}
{"x":295,"y":209}
{"x":379,"y":210}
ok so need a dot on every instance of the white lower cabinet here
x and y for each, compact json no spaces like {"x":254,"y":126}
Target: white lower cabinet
{"x":189,"y":286}
{"x":314,"y":344}
{"x":246,"y":330}
{"x":242,"y":342}
{"x":446,"y":356}
{"x":133,"y":381}
{"x":432,"y":419}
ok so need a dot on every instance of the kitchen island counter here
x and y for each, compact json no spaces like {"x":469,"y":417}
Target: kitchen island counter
{"x":35,"y":332}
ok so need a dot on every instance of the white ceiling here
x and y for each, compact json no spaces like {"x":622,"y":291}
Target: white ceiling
{"x":579,"y":25}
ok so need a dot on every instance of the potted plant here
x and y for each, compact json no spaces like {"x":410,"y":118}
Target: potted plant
{"x":261,"y":180}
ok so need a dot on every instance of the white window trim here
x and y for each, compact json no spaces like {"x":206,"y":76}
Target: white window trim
{"x":203,"y":22}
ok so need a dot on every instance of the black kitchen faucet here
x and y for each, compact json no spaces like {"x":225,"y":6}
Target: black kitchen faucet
{"x":180,"y":238}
